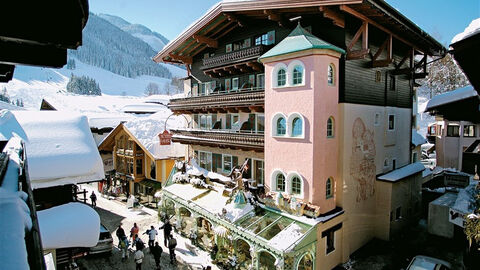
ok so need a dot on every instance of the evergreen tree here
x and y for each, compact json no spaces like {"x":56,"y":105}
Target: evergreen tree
{"x":71,"y":64}
{"x":83,"y":86}
{"x":4,"y":95}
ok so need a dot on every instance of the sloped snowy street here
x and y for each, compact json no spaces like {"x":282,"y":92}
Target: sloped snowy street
{"x":113,"y":213}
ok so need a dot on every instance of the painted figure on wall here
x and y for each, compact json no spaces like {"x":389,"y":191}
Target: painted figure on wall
{"x":362,"y":161}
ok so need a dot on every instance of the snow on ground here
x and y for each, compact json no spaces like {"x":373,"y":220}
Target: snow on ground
{"x":144,"y":217}
{"x":472,"y":28}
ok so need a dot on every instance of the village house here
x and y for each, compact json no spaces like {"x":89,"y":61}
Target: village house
{"x":315,"y":114}
{"x":61,"y":153}
{"x":140,"y":163}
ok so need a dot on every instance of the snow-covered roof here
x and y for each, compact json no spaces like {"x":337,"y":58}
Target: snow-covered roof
{"x":417,"y":139}
{"x":146,"y":131}
{"x":69,"y":225}
{"x":59,"y":146}
{"x":15,"y":213}
{"x":143,"y":108}
{"x":466,"y":199}
{"x":448,"y":199}
{"x":452,"y":96}
{"x":403,"y":172}
{"x":107,"y":120}
{"x":472,"y":29}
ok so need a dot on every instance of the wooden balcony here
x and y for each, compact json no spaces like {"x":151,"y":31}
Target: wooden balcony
{"x":220,"y":138}
{"x":245,"y":100}
{"x":235,"y":57}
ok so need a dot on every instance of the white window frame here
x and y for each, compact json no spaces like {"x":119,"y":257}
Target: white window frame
{"x":207,"y":155}
{"x":376,"y":119}
{"x":275,"y":75}
{"x":260,"y":78}
{"x":331,"y":65}
{"x":256,"y":122}
{"x":291,"y":66}
{"x":388,"y":122}
{"x":274,"y":125}
{"x":291,"y":117}
{"x":387,"y":165}
{"x":235,"y":84}
{"x":289,"y":179}
{"x":254,"y":169}
{"x":273,"y":180}
{"x":332,"y":129}
{"x":329,"y":196}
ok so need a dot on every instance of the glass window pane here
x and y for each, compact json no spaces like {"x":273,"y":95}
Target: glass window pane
{"x":297,"y":75}
{"x":227,"y":163}
{"x":330,"y":75}
{"x":259,"y":171}
{"x":216,"y":162}
{"x":281,"y":126}
{"x":260,"y":123}
{"x":296,"y":185}
{"x":280,"y":182}
{"x":228,"y":122}
{"x":281,"y":77}
{"x":297,"y":127}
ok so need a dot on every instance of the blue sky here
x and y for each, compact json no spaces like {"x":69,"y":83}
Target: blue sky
{"x":442,"y":19}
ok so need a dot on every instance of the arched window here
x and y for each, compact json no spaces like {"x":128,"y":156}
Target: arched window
{"x":280,"y":182}
{"x":297,"y":75}
{"x":296,"y":188}
{"x":330,"y":127}
{"x":297,"y":127}
{"x":331,"y":75}
{"x":281,"y":77}
{"x":281,"y":126}
{"x":329,"y":188}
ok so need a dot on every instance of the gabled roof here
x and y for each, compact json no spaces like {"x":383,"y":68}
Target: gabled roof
{"x":299,"y":40}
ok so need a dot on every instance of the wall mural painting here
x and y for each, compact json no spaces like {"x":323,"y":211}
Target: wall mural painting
{"x":362,"y":161}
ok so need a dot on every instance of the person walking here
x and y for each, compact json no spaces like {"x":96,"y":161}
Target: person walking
{"x":120,"y":233}
{"x":152,"y":234}
{"x":157,"y":254}
{"x":167,"y":229}
{"x":138,"y":259}
{"x":93,"y":198}
{"x":138,"y":243}
{"x":134,"y":232}
{"x":124,"y":248}
{"x":172,"y":244}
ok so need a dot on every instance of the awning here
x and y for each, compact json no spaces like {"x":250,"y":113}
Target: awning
{"x":69,"y":225}
{"x":151,"y":184}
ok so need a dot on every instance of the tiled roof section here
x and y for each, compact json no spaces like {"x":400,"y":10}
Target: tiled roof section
{"x":299,"y":40}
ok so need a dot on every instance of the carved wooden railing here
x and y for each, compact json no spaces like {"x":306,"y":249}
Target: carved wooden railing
{"x":240,"y":98}
{"x":231,"y":139}
{"x":234,"y":57}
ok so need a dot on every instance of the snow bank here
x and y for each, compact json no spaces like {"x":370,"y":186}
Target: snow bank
{"x":233,"y":214}
{"x":69,"y":225}
{"x":107,"y":120}
{"x":403,"y":172}
{"x":417,"y":139}
{"x":472,"y":29}
{"x":59,"y":146}
{"x":196,"y":170}
{"x":452,"y":96}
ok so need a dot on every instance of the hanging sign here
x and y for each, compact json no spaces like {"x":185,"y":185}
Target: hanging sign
{"x":165,"y":138}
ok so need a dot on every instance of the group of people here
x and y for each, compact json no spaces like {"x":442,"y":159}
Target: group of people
{"x":155,"y":249}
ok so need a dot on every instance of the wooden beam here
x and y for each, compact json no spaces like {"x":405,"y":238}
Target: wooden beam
{"x":255,"y":66}
{"x":227,"y":31}
{"x":276,"y":17}
{"x":233,"y":18}
{"x":387,"y":44}
{"x":212,"y":43}
{"x":401,"y":71}
{"x":356,"y":37}
{"x":221,"y":28}
{"x":338,"y":19}
{"x":364,"y":18}
{"x":184,"y":59}
{"x":358,"y":54}
{"x":382,"y":63}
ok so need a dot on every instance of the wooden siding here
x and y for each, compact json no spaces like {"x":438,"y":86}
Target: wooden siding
{"x":360,"y":86}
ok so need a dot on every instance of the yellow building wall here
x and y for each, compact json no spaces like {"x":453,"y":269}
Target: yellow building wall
{"x":328,"y":261}
{"x":384,"y":206}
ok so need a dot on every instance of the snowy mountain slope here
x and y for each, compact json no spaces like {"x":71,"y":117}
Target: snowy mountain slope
{"x":154,"y":39}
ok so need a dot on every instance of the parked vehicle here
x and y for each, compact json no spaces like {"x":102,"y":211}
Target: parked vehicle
{"x":428,"y":263}
{"x":105,"y":242}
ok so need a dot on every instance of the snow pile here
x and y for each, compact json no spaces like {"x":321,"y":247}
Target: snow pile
{"x":417,"y":139}
{"x":233,"y":214}
{"x":452,"y":96}
{"x":471,"y":30}
{"x":287,"y":237}
{"x":466,"y":199}
{"x":107,"y":120}
{"x":59,"y":146}
{"x":196,"y":170}
{"x":403,"y":172}
{"x":69,"y":225}
{"x":147,"y":129}
{"x":143,"y":108}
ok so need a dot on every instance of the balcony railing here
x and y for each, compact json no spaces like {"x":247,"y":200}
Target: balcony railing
{"x":242,"y":55}
{"x":245,"y":98}
{"x":244,"y":140}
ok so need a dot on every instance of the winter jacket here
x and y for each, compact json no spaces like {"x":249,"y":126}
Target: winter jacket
{"x":138,"y":256}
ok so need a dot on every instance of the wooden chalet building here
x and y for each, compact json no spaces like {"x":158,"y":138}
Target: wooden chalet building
{"x":139,"y":166}
{"x":321,"y":110}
